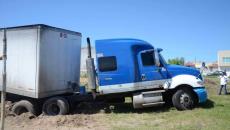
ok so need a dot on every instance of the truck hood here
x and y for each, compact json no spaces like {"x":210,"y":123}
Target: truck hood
{"x":175,"y":70}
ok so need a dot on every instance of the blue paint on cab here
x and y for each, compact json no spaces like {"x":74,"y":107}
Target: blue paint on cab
{"x":126,"y":51}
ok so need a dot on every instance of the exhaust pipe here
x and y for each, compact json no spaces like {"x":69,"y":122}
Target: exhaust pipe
{"x":91,"y":74}
{"x":89,"y":48}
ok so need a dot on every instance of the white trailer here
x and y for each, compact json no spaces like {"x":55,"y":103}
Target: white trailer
{"x":42,"y":61}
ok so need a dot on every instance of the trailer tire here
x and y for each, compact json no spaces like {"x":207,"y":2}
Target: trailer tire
{"x":56,"y":106}
{"x":24,"y":106}
{"x":183,"y":100}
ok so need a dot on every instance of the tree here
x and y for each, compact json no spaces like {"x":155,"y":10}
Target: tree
{"x":177,"y":61}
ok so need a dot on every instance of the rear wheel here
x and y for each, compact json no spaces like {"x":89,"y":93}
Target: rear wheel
{"x":56,"y":106}
{"x":24,"y":106}
{"x":183,"y":100}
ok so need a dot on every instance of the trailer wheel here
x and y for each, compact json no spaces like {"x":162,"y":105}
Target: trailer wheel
{"x":183,"y":100}
{"x":24,"y":106}
{"x":56,"y":106}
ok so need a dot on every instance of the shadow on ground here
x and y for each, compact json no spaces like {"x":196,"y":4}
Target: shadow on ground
{"x":207,"y":105}
{"x":102,"y":107}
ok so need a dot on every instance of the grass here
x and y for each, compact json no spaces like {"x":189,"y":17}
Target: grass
{"x":214,"y":114}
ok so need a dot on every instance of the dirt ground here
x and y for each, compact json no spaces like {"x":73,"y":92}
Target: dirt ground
{"x":84,"y":116}
{"x":77,"y":120}
{"x":68,"y":122}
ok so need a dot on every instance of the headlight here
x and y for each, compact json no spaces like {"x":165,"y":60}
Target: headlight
{"x":200,"y":82}
{"x":200,"y":76}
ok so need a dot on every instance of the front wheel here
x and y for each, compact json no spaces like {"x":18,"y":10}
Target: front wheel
{"x":183,"y":100}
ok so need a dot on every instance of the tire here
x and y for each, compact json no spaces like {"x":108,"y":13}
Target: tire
{"x":56,"y":106}
{"x":24,"y":106}
{"x":183,"y":100}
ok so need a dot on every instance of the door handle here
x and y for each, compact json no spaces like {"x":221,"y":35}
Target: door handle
{"x":143,"y":77}
{"x":108,"y":78}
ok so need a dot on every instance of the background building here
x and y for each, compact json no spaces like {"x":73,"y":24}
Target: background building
{"x":206,"y":68}
{"x":224,"y":61}
{"x":190,"y":64}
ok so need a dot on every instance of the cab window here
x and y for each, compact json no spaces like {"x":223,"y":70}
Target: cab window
{"x":148,"y":59}
{"x":108,"y":63}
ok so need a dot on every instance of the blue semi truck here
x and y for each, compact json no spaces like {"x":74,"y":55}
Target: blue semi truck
{"x":43,"y":72}
{"x":135,"y":68}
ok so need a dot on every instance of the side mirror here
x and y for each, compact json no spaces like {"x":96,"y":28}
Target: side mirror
{"x":157,"y":59}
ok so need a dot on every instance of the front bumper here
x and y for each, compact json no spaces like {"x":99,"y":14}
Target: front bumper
{"x":202,"y":94}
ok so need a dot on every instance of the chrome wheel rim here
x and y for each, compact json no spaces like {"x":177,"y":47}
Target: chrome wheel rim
{"x":186,"y":100}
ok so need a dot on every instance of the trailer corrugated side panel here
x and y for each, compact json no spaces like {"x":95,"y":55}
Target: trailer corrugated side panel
{"x":21,"y":61}
{"x":59,"y":61}
{"x":42,"y":61}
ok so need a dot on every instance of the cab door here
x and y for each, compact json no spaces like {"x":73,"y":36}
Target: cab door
{"x":147,"y":67}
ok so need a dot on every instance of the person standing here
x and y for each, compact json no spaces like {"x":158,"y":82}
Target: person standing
{"x":223,"y":83}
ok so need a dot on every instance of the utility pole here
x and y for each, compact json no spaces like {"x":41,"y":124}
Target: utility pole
{"x":3,"y":93}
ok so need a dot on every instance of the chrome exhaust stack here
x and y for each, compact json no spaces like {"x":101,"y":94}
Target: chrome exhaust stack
{"x":91,"y":73}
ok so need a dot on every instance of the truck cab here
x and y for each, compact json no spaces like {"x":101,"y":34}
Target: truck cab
{"x":134,"y":67}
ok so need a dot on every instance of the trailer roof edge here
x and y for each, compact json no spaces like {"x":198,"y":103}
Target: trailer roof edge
{"x":41,"y":25}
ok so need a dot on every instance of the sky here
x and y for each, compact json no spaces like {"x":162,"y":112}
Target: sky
{"x":193,"y":29}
